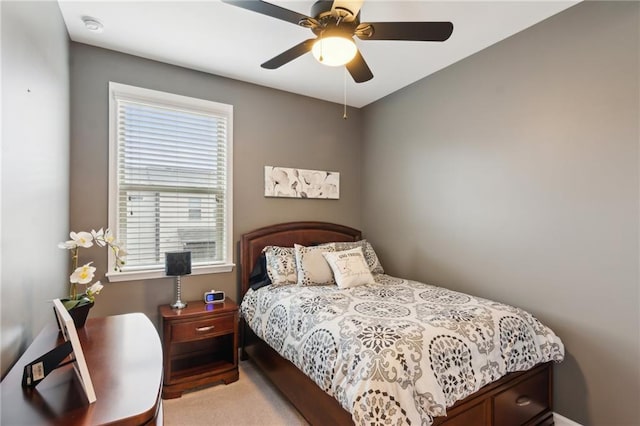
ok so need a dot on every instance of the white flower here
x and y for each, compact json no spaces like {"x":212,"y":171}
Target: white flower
{"x":280,"y":184}
{"x":109,"y":237}
{"x":332,"y":179}
{"x":312,"y":177}
{"x":104,"y":238}
{"x":69,"y":245}
{"x":330,"y":186}
{"x":98,"y":237}
{"x":94,"y":288}
{"x":285,"y":191}
{"x":279,"y":178}
{"x":83,"y":274}
{"x":120,"y":253}
{"x":82,"y":239}
{"x":312,"y":182}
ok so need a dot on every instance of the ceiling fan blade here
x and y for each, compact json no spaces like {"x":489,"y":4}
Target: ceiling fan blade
{"x":352,"y":6}
{"x":410,"y":31}
{"x":359,"y":69}
{"x":289,"y":55}
{"x":269,"y":9}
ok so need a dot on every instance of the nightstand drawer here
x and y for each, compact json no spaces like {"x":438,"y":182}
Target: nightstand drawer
{"x":524,"y":401}
{"x":202,"y":329}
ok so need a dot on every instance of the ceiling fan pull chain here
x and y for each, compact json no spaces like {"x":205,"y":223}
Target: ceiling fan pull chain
{"x":344,"y":114}
{"x":321,"y":58}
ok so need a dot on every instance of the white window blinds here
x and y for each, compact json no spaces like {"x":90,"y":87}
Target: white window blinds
{"x":172,"y":158}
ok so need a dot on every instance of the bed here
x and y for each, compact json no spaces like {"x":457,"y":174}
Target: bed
{"x":519,"y":397}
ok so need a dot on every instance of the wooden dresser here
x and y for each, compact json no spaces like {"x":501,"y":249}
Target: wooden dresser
{"x":124,"y":358}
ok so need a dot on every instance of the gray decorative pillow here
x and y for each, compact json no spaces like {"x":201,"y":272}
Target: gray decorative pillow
{"x":367,"y":250}
{"x":312,"y":267}
{"x":281,"y":265}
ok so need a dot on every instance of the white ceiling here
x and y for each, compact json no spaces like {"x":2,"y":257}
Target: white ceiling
{"x":225,"y":40}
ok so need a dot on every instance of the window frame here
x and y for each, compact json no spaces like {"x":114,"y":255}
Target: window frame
{"x":155,"y":97}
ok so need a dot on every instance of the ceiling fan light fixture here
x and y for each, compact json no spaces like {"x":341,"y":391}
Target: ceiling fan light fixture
{"x":334,"y":51}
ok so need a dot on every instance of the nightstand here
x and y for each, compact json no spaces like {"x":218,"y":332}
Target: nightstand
{"x":200,"y":345}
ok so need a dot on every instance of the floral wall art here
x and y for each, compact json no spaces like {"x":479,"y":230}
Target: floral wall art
{"x":300,"y":183}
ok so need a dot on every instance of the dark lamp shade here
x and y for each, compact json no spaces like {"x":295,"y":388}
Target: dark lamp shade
{"x":177,"y":263}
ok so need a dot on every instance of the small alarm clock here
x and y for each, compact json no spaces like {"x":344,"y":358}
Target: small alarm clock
{"x":214,"y":296}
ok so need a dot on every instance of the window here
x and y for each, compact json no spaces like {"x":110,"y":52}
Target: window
{"x":170,"y":183}
{"x":195,"y":210}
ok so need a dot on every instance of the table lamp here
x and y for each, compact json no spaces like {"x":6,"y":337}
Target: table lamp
{"x":177,"y":264}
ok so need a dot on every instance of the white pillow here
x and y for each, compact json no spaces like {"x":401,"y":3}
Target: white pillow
{"x":367,"y":250}
{"x":312,"y":267}
{"x":281,"y":265}
{"x":349,"y":267}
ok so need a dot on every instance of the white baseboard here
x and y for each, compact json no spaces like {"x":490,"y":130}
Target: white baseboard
{"x":563,"y":421}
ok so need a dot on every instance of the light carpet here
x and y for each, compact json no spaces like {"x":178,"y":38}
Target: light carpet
{"x":252,"y":400}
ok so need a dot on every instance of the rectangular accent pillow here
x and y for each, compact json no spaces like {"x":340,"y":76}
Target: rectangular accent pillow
{"x":367,"y":250}
{"x":281,"y":265}
{"x":349,"y":267}
{"x":312,"y":267}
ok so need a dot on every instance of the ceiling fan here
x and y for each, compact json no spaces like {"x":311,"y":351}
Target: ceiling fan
{"x":334,"y":24}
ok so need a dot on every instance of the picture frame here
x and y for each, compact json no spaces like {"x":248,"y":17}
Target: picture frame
{"x":286,"y":182}
{"x":70,"y":334}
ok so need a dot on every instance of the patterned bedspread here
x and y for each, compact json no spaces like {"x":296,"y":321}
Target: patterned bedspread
{"x":398,"y":351}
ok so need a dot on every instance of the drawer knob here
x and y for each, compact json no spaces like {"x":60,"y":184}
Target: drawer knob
{"x":206,"y":328}
{"x":523,"y":401}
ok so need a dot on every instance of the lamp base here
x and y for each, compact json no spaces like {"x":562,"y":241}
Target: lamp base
{"x":178,"y":304}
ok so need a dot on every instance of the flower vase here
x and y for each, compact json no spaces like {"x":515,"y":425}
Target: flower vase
{"x":78,"y":314}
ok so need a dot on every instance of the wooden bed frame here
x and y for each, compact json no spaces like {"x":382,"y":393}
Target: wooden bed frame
{"x":516,"y":399}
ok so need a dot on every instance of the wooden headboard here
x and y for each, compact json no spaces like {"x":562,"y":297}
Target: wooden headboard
{"x":286,"y":235}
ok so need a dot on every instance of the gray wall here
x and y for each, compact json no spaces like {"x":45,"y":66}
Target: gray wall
{"x":270,"y":128}
{"x":513,"y":175}
{"x":35,"y":170}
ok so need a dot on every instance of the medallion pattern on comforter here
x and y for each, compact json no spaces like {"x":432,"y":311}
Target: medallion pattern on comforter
{"x":397,"y":351}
